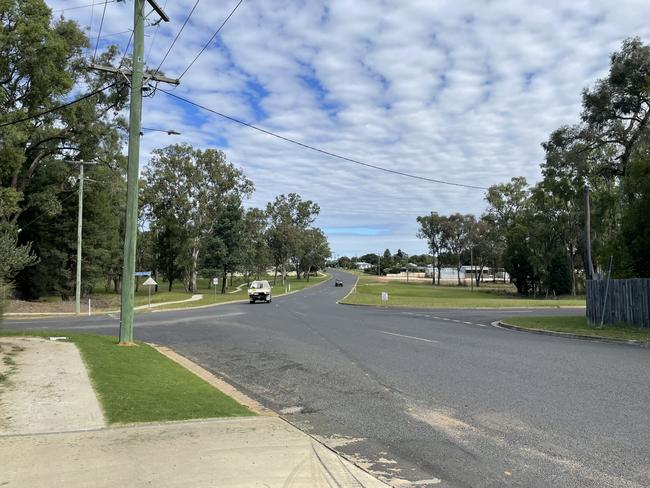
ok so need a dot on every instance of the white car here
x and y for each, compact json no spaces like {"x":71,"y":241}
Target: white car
{"x":259,"y":291}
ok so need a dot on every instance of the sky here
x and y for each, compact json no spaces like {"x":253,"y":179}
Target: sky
{"x":464,"y":92}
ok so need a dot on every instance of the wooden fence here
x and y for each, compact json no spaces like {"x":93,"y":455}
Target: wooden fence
{"x":628,"y":302}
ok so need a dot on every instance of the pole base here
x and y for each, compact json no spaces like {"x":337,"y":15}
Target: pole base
{"x":127,"y":344}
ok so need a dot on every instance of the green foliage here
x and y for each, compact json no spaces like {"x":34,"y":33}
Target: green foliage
{"x":185,"y":190}
{"x":41,"y":67}
{"x":289,"y":218}
{"x":225,"y":250}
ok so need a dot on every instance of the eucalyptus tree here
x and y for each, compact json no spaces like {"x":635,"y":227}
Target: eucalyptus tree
{"x":257,"y":257}
{"x":432,"y":228}
{"x":42,"y":67}
{"x":457,"y":228}
{"x":187,"y":188}
{"x":288,"y":216}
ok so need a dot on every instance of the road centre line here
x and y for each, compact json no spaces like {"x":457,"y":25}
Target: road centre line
{"x":407,"y":336}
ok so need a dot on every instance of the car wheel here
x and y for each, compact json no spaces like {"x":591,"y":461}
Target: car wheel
{"x":251,"y":301}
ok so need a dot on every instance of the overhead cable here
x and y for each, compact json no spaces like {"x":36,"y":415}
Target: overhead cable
{"x":177,"y":36}
{"x":99,"y":33}
{"x":211,"y":39}
{"x":58,"y":107}
{"x":322,"y":151}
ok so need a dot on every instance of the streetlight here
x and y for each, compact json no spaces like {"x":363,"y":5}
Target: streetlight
{"x":170,"y":132}
{"x":77,"y":303}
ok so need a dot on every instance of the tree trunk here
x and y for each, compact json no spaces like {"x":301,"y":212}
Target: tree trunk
{"x":224,"y":280}
{"x":308,"y":273}
{"x":479,"y":275}
{"x":171,"y":280}
{"x":193,"y":272}
{"x":439,"y":270}
{"x":232,"y":274}
{"x":458,"y":270}
{"x":275,"y":276}
{"x":573,"y":272}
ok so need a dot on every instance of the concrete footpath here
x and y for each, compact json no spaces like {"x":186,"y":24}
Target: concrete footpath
{"x":245,"y":452}
{"x":45,"y":388}
{"x":52,"y":434}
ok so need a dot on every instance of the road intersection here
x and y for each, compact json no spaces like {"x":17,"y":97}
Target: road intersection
{"x":435,"y":397}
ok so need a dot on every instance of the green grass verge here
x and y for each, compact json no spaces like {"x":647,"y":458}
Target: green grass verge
{"x":138,"y":384}
{"x":578,"y":325}
{"x":111,"y":301}
{"x":278,"y":290}
{"x":425,"y":295}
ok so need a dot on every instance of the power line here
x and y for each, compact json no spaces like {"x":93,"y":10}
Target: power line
{"x":43,"y":214}
{"x":211,"y":39}
{"x":83,"y":6}
{"x":99,"y":33}
{"x":58,"y":107}
{"x":155,"y":33}
{"x":177,"y":35}
{"x":126,"y":50}
{"x":322,"y":151}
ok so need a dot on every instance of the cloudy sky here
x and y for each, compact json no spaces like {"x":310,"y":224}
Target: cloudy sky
{"x":457,"y":91}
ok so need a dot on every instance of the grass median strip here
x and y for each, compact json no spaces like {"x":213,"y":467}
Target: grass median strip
{"x":578,"y":325}
{"x":138,"y":384}
{"x":424,"y":295}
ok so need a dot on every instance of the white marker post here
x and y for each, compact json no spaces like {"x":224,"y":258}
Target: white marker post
{"x":149,"y":282}
{"x":384,"y":296}
{"x":215,"y":282}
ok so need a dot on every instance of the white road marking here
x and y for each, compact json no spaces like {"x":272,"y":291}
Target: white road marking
{"x":406,"y":336}
{"x":468,"y":323}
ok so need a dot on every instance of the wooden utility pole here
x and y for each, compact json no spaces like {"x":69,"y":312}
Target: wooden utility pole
{"x":589,"y":267}
{"x":131,"y":224}
{"x":80,"y":211}
{"x":137,"y":79}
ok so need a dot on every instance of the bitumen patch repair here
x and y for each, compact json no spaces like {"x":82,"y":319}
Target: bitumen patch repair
{"x":45,"y":445}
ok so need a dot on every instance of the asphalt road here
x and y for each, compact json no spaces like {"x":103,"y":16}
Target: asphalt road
{"x":438,"y":398}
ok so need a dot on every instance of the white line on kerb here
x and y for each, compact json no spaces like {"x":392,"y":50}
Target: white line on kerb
{"x":406,"y":336}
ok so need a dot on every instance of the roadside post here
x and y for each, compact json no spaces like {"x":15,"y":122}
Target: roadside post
{"x":384,"y":297}
{"x":149,"y":282}
{"x":215,"y":282}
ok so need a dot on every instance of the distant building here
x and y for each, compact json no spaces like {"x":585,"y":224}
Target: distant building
{"x":363,"y":266}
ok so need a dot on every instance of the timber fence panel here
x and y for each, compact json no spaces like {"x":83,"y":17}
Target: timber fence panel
{"x":628,"y":302}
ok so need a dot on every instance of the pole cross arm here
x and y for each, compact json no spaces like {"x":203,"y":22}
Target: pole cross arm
{"x":128,"y":73}
{"x":154,"y":5}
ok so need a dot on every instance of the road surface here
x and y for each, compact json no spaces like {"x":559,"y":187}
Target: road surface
{"x":432,"y":398}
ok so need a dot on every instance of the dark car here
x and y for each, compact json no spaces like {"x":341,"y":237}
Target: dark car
{"x":338,"y":283}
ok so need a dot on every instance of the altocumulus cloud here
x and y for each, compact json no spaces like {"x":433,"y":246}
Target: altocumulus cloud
{"x":462,"y":91}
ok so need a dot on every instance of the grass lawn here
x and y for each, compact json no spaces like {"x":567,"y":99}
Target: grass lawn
{"x":422,"y":294}
{"x":105,"y":301}
{"x":138,"y":384}
{"x":578,"y":325}
{"x":209,"y":298}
